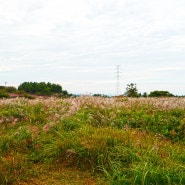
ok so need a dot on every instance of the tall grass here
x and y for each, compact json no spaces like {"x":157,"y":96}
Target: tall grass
{"x":116,"y":140}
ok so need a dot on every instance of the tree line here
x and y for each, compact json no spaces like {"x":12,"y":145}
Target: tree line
{"x":27,"y":89}
{"x":132,"y":91}
{"x":40,"y":88}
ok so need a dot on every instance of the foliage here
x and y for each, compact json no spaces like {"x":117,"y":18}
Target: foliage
{"x":3,"y":94}
{"x":2,"y":87}
{"x":34,"y":88}
{"x":145,"y":94}
{"x":4,"y":91}
{"x":131,"y":90}
{"x":11,"y":89}
{"x":160,"y":94}
{"x":100,"y":95}
{"x":92,"y":140}
{"x":40,"y":88}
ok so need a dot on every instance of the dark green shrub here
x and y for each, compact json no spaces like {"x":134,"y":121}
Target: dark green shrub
{"x":3,"y":94}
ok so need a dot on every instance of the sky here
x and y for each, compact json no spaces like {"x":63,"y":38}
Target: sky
{"x":79,"y":44}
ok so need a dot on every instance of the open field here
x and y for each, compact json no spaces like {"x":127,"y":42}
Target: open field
{"x":92,"y":141}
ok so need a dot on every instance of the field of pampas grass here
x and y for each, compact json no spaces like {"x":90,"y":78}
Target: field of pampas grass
{"x":92,"y":141}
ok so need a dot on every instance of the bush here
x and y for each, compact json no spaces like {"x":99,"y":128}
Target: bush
{"x":3,"y":94}
{"x":11,"y":89}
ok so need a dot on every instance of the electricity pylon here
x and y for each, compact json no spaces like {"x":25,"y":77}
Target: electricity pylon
{"x":118,"y":75}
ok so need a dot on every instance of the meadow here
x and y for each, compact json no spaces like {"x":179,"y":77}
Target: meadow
{"x":92,"y":141}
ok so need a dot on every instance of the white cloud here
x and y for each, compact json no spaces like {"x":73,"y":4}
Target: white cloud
{"x":4,"y":68}
{"x":146,"y":37}
{"x":169,"y":69}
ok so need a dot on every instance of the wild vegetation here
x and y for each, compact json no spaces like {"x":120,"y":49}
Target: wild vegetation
{"x":92,"y":140}
{"x":132,"y":91}
{"x":31,"y":90}
{"x":42,"y":88}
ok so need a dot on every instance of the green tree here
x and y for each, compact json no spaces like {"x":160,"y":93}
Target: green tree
{"x":131,"y":90}
{"x":100,"y":95}
{"x":145,"y":94}
{"x":40,"y":88}
{"x":160,"y":94}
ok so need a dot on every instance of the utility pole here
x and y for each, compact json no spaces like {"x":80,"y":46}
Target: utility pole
{"x":118,"y":75}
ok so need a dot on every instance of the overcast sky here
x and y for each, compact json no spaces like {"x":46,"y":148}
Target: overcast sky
{"x":78,"y":43}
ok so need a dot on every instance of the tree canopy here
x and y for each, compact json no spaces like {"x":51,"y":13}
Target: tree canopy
{"x":160,"y":94}
{"x":41,"y":88}
{"x":131,"y":90}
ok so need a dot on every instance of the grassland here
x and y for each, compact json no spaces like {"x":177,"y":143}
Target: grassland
{"x":92,"y":141}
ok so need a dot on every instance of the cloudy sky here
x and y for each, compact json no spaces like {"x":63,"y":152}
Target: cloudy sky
{"x":79,"y":43}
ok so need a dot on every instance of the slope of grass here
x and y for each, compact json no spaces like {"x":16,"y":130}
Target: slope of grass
{"x":88,"y":140}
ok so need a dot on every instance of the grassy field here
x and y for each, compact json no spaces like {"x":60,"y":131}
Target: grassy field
{"x":92,"y":141}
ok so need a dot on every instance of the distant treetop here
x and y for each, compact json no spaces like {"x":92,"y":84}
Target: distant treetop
{"x":41,"y":88}
{"x":160,"y":94}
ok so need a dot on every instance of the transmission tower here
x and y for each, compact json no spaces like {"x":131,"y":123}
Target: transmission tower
{"x":118,"y":75}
